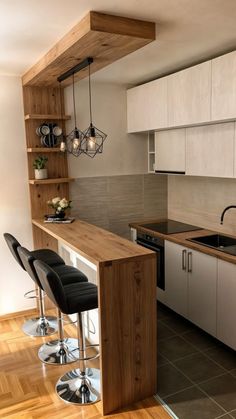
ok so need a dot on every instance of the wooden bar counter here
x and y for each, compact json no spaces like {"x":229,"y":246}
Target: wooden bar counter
{"x":126,"y":279}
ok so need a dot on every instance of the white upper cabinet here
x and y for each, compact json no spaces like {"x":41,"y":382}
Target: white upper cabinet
{"x":224,"y":87}
{"x":189,"y":96}
{"x":170,"y":150}
{"x":197,"y":95}
{"x":147,"y":106}
{"x":137,"y":116}
{"x":210,"y":150}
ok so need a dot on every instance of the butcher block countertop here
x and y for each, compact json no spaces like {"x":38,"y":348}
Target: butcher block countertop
{"x":94,"y":243}
{"x":182,"y":239}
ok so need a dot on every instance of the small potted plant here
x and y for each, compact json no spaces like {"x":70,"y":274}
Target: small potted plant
{"x":60,"y":205}
{"x":39,"y":167}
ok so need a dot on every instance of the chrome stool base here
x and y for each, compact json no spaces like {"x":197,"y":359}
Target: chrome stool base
{"x":56,"y":352}
{"x":39,"y":327}
{"x":77,"y":388}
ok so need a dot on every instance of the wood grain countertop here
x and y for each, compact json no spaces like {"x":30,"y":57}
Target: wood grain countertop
{"x":94,"y":243}
{"x":183,"y":239}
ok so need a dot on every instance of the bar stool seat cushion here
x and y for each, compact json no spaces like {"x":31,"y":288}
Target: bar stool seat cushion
{"x":81,"y":297}
{"x":48,"y":256}
{"x":68,"y":274}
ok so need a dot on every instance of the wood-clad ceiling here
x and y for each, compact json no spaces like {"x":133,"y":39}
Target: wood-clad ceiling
{"x":104,"y":37}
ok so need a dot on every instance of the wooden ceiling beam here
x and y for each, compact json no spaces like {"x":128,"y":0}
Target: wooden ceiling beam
{"x":104,"y":37}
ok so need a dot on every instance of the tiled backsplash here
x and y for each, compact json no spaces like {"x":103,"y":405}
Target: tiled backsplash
{"x":112,"y":202}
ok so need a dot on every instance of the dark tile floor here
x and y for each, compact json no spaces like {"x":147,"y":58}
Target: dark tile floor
{"x":196,"y":373}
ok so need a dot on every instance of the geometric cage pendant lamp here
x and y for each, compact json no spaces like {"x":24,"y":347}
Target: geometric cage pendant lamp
{"x":89,"y":142}
{"x":72,"y":141}
{"x":93,"y":138}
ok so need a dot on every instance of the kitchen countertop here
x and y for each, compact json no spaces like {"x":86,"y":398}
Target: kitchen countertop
{"x":94,"y":243}
{"x":182,"y":239}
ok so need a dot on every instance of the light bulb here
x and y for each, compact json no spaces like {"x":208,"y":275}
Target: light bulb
{"x":63,"y":146}
{"x":76,"y":143}
{"x":91,"y":143}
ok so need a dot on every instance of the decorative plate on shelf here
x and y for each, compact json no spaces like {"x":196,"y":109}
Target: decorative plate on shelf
{"x":49,"y":133}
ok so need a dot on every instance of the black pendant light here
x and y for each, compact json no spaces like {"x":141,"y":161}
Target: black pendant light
{"x":72,"y":142}
{"x":93,"y":138}
{"x":63,"y":138}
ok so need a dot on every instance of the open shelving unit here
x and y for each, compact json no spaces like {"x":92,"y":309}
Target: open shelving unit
{"x":151,"y":152}
{"x":46,"y":101}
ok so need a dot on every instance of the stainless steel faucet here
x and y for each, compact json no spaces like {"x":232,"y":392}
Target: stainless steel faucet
{"x":223,"y":213}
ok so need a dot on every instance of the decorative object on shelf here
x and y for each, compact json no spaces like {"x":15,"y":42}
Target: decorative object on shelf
{"x":60,"y":205}
{"x":89,"y":142}
{"x":72,"y":142}
{"x":49,"y":133}
{"x":40,"y":170}
{"x":93,"y":138}
{"x":57,"y":220}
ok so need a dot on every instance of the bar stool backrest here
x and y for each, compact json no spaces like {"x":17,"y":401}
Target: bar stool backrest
{"x":51,"y":284}
{"x":13,"y":245}
{"x":27,"y":260}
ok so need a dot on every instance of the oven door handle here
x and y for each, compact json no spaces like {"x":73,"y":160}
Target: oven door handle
{"x":148,"y":246}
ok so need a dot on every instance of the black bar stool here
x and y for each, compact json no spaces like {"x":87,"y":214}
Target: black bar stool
{"x":40,"y":326}
{"x":79,"y":386}
{"x":63,"y":350}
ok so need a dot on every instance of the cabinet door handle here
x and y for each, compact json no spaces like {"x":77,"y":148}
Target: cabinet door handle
{"x":190,"y":267}
{"x":184,"y":252}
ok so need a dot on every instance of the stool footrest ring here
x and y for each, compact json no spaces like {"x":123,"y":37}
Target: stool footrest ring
{"x":27,"y":294}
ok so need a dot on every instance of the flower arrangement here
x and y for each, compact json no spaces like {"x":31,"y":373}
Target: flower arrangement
{"x":60,"y":205}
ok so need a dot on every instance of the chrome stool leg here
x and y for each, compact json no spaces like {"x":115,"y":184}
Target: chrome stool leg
{"x":40,"y":326}
{"x":80,"y":386}
{"x":61,"y":351}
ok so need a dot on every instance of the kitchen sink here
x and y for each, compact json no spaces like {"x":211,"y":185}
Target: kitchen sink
{"x":217,"y":241}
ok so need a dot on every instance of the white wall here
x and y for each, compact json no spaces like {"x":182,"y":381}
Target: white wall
{"x":123,"y":153}
{"x":14,"y":207}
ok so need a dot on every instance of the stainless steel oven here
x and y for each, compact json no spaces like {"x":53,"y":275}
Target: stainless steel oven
{"x":157,"y":245}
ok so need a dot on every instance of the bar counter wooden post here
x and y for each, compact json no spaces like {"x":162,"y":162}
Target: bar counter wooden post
{"x":127,"y":309}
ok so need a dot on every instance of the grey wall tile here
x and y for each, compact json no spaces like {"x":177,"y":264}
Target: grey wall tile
{"x":112,"y":202}
{"x":155,"y":196}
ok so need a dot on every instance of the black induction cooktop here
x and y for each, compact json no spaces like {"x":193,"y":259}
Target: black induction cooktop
{"x":170,"y":227}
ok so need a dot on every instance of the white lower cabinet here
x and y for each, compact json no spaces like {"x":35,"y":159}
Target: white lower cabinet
{"x":190,"y":282}
{"x":226,"y":303}
{"x":202,"y":279}
{"x":176,"y":278}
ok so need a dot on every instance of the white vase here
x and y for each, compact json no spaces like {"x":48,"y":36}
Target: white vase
{"x":41,"y":173}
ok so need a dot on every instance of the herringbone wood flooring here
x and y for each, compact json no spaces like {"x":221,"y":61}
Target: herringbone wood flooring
{"x":27,"y":385}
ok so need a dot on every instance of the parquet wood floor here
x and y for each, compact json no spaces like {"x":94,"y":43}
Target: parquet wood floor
{"x":27,"y":385}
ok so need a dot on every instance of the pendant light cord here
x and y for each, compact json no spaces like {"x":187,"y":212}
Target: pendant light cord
{"x":90,"y":96}
{"x":73,"y":86}
{"x":61,"y":104}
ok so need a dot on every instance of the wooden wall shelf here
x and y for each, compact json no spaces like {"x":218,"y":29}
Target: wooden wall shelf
{"x":50,"y":181}
{"x":43,"y":150}
{"x":104,"y":37}
{"x":47,"y":117}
